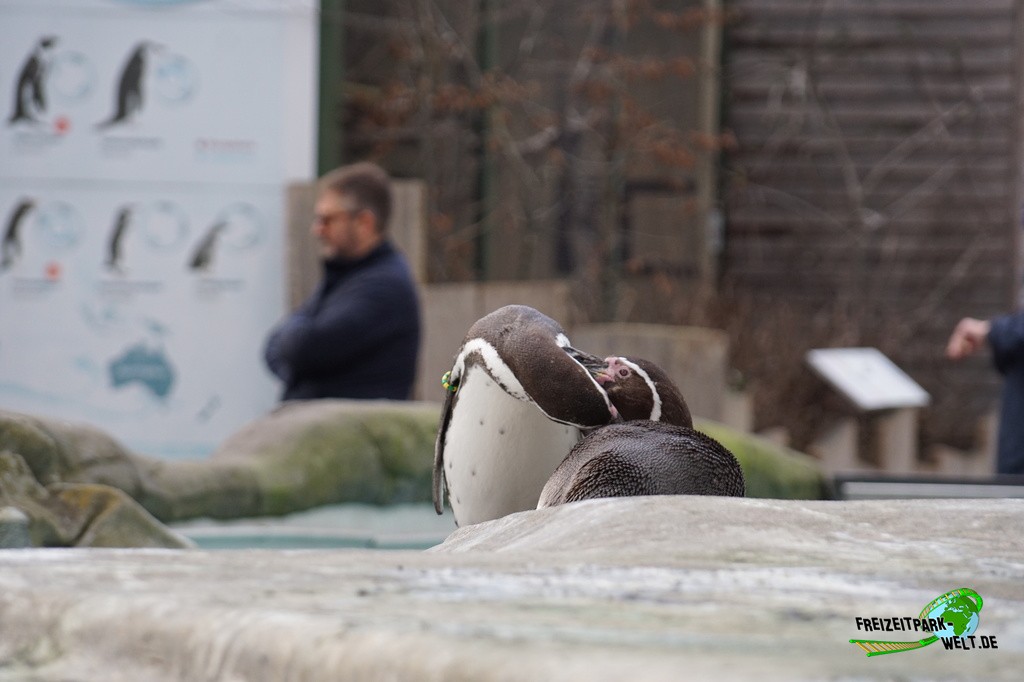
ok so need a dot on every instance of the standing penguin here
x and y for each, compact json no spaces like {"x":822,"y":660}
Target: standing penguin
{"x":519,"y":398}
{"x":30,"y":90}
{"x":129,"y":99}
{"x":115,"y":245}
{"x":10,"y":245}
{"x":655,"y":451}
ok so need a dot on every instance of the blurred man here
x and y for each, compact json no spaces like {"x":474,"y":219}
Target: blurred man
{"x":1005,"y":335}
{"x":358,"y":335}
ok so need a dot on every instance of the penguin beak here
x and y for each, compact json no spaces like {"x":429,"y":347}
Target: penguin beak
{"x":593,"y":364}
{"x":598,"y":368}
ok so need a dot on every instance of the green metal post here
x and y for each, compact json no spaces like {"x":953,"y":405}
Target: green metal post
{"x":487,"y":60}
{"x":330,"y":136}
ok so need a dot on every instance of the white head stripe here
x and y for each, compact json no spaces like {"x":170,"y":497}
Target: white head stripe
{"x":562,"y":340}
{"x":655,"y":398}
{"x":496,"y":367}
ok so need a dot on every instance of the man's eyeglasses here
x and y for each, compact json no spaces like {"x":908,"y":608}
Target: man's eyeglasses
{"x":325,"y":219}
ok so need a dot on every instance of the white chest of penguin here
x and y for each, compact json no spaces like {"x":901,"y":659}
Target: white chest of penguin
{"x":501,"y":451}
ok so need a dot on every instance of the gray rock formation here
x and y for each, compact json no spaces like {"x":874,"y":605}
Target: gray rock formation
{"x":639,"y":589}
{"x":73,"y":514}
{"x":304,"y":455}
{"x":301,"y":456}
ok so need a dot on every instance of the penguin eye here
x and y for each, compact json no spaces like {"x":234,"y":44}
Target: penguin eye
{"x":623,"y":372}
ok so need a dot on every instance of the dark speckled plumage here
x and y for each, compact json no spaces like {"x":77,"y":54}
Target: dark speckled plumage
{"x":644,"y":458}
{"x":640,"y":456}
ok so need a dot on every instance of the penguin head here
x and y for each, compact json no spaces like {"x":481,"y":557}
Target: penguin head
{"x":639,"y":389}
{"x":529,"y":356}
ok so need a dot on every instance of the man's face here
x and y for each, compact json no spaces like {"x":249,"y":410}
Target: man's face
{"x":338,"y":227}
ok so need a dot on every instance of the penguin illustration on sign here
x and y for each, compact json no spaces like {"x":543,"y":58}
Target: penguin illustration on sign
{"x":115,"y":245}
{"x":202,"y":257}
{"x":10,"y":245}
{"x":129,"y":97}
{"x":655,"y":451}
{"x":30,"y":88}
{"x":519,"y":397}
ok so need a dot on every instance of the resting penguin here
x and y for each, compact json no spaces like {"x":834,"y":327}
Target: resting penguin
{"x":644,"y":456}
{"x":519,"y":397}
{"x":202,"y":256}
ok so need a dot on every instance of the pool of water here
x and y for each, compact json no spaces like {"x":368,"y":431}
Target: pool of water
{"x":412,"y":526}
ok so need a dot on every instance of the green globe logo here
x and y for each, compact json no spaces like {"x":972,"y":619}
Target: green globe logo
{"x":959,"y":612}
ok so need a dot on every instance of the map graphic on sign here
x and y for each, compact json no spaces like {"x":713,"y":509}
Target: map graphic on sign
{"x":147,"y":367}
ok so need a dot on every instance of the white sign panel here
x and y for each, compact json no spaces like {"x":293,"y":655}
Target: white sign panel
{"x":162,"y":95}
{"x":144,"y":155}
{"x":867,"y":378}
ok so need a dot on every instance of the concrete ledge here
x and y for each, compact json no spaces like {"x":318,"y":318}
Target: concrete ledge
{"x":641,"y":589}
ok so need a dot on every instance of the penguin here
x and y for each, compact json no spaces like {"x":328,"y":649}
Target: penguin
{"x":115,"y":245}
{"x":202,"y":257}
{"x":518,"y":398}
{"x":654,"y":451}
{"x":10,"y":246}
{"x":29,"y":92}
{"x":129,"y":86}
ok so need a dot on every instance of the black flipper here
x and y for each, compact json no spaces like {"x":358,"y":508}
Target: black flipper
{"x":442,"y":430}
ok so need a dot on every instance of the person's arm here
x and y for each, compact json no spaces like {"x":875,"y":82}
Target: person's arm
{"x":1006,"y":337}
{"x":967,"y":338}
{"x":276,"y":361}
{"x":351,"y":320}
{"x":273,"y":352}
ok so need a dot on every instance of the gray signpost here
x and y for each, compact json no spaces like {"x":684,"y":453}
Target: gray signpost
{"x":884,"y":397}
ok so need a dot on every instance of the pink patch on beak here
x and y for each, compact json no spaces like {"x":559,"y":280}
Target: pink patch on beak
{"x":607,"y":375}
{"x":610,"y":373}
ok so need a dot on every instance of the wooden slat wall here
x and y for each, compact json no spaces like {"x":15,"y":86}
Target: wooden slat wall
{"x":877,"y":167}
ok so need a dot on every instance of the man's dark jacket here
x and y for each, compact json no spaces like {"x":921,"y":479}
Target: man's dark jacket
{"x":357,"y":336}
{"x":1006,"y":338}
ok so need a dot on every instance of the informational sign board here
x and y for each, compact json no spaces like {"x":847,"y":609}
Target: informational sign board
{"x":867,"y":378}
{"x":145,"y":148}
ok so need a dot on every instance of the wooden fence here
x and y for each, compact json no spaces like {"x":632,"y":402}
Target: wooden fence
{"x":877,"y":170}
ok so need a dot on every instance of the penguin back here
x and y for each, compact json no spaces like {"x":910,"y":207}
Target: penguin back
{"x":644,"y":458}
